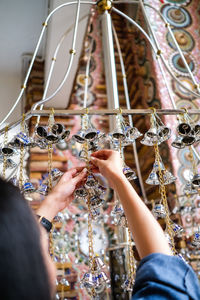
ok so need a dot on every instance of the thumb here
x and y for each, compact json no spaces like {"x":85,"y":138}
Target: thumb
{"x":80,"y":176}
{"x":95,"y":161}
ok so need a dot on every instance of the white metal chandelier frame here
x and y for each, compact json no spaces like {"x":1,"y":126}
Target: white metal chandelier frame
{"x":110,"y":70}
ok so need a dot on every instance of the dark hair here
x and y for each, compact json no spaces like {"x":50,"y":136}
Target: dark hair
{"x":23,"y":273}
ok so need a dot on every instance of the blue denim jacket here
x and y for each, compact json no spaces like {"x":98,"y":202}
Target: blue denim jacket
{"x":162,"y":277}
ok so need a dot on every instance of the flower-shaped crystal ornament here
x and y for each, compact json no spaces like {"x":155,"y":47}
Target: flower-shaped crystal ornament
{"x":153,"y":178}
{"x":123,"y":134}
{"x":188,"y":132}
{"x":52,"y":134}
{"x":96,"y":278}
{"x":157,"y":133}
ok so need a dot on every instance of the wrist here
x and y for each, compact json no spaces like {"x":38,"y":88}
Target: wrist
{"x":48,"y":208}
{"x":117,"y":179}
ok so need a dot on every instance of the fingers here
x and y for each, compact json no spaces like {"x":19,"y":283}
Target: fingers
{"x":67,"y":175}
{"x":80,"y":177}
{"x":102,"y":154}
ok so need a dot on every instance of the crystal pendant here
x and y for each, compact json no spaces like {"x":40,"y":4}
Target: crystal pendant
{"x":132,"y":133}
{"x":93,"y":146}
{"x":65,"y":135}
{"x":98,"y":263}
{"x":51,"y":138}
{"x":168,"y":177}
{"x":83,"y":155}
{"x":152,"y":132}
{"x":95,"y":213}
{"x":184,"y":129}
{"x":178,"y":142}
{"x":57,"y":129}
{"x":91,"y":182}
{"x":43,"y":189}
{"x":118,"y":210}
{"x":28,"y":188}
{"x":158,"y":165}
{"x":89,"y":280}
{"x":188,"y":140}
{"x":41,"y":131}
{"x":101,"y":190}
{"x":153,"y":178}
{"x":118,"y":135}
{"x":91,"y":134}
{"x":56,"y":173}
{"x":188,"y":189}
{"x":159,"y":211}
{"x":197,"y":129}
{"x":128,"y":285}
{"x":150,"y":141}
{"x":196,"y":181}
{"x":96,"y":202}
{"x":129,"y":173}
{"x":79,"y":137}
{"x":7,"y":150}
{"x":102,"y":278}
{"x":177,"y":229}
{"x":81,"y":193}
{"x":164,"y":132}
{"x":196,"y":240}
{"x":20,"y":139}
{"x":10,"y":164}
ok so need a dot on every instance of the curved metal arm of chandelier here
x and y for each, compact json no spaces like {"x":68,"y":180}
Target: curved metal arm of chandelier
{"x":72,"y":53}
{"x":36,"y":51}
{"x":54,"y":61}
{"x":87,"y":75}
{"x":129,"y":117}
{"x":160,"y":65}
{"x":156,"y":50}
{"x":176,"y":44}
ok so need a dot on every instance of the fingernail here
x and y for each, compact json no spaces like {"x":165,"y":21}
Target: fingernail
{"x":85,"y":170}
{"x":92,"y":158}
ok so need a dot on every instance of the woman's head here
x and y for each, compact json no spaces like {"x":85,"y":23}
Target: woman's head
{"x":23,"y":273}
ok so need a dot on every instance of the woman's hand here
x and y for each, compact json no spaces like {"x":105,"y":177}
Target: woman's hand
{"x":62,"y":193}
{"x":109,"y":164}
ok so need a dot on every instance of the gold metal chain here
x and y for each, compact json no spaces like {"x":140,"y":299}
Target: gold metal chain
{"x":131,"y":259}
{"x":90,"y":230}
{"x":164,"y":198}
{"x":50,"y":159}
{"x":5,"y":158}
{"x":21,"y":155}
{"x":194,"y":165}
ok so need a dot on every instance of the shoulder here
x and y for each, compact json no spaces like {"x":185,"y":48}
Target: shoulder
{"x":167,"y":274}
